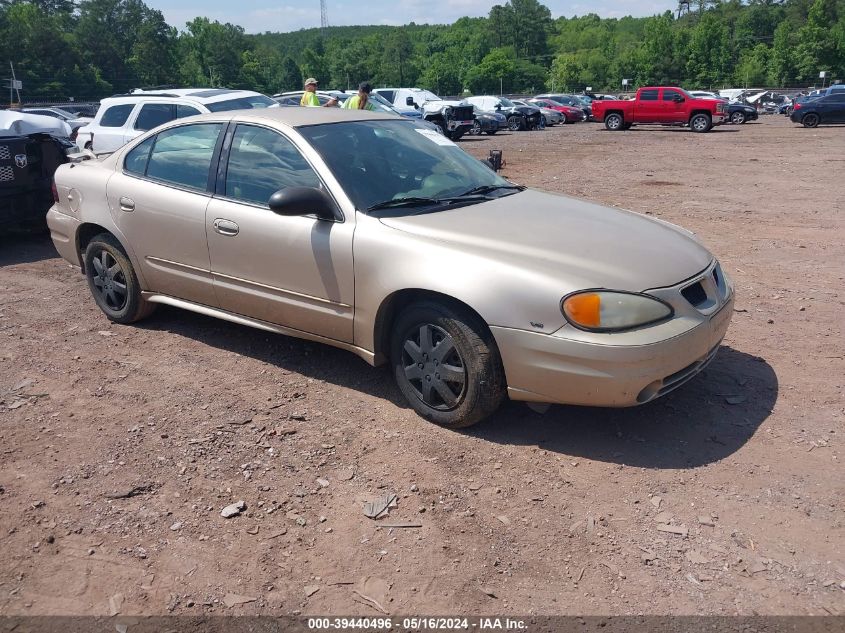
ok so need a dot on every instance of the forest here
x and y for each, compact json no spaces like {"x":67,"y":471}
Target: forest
{"x":88,"y":49}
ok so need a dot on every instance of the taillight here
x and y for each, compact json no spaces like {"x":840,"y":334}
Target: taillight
{"x":55,"y":192}
{"x":797,"y":106}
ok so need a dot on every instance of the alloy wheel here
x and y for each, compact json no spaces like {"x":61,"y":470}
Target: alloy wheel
{"x":109,"y":281}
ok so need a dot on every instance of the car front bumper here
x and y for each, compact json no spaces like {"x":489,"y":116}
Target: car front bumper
{"x":556,"y":369}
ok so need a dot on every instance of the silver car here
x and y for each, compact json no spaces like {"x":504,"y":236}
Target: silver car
{"x":379,"y":236}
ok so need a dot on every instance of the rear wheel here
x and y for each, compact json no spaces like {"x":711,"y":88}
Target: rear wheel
{"x":446,"y":364}
{"x":614,"y":122}
{"x":515,"y":123}
{"x":700,"y":123}
{"x":475,"y":130}
{"x":810,"y":119}
{"x":738,"y":118}
{"x":112,"y":281}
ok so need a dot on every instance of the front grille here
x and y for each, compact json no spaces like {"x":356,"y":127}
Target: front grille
{"x":7,"y":174}
{"x":5,"y":154}
{"x":695,"y":294}
{"x":462,"y":113}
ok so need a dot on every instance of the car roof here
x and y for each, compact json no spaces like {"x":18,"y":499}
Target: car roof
{"x":198,"y":95}
{"x":297,"y":117}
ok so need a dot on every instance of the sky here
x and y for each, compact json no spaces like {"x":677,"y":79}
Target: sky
{"x":257,"y":16}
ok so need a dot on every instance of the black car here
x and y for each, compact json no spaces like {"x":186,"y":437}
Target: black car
{"x":27,"y":165}
{"x":738,"y":113}
{"x":829,"y":109}
{"x":488,"y":122}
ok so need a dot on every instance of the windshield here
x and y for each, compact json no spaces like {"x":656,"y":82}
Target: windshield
{"x":242,"y":103}
{"x":383,"y":161}
{"x":506,"y":103}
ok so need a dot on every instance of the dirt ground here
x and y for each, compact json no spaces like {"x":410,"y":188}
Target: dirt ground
{"x":559,"y":513}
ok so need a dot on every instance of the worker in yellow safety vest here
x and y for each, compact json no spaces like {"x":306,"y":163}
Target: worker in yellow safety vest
{"x":309,"y":97}
{"x":361,"y":101}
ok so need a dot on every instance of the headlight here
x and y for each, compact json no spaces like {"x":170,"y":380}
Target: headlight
{"x":612,"y":310}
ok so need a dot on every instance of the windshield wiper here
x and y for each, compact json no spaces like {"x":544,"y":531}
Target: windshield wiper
{"x":488,"y":189}
{"x":410,"y":201}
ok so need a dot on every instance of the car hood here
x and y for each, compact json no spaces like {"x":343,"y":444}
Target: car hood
{"x":583,"y":244}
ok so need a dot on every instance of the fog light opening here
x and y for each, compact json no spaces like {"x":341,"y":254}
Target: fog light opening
{"x":650,"y":391}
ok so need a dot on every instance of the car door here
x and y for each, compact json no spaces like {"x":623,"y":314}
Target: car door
{"x":672,"y":107}
{"x":294,"y":271}
{"x":834,"y":108}
{"x":158,"y":200}
{"x":647,"y":106}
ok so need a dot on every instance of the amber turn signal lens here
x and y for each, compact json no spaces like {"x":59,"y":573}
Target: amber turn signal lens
{"x":584,"y":309}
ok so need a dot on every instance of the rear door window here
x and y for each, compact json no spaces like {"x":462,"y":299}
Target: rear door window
{"x":154,"y":114}
{"x":649,"y":95}
{"x":183,"y":111}
{"x":388,"y":94}
{"x":182,"y":155}
{"x":116,"y":116}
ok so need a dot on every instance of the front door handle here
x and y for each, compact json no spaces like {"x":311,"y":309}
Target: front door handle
{"x":226,"y":227}
{"x":127,"y":204}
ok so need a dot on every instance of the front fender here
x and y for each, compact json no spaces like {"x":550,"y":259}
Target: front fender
{"x":389,"y":260}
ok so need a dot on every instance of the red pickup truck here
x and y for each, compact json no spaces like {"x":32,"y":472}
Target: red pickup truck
{"x":661,"y":106}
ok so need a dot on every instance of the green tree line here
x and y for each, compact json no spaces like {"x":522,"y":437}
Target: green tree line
{"x":93,"y":48}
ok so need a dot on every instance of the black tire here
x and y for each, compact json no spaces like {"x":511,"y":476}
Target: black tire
{"x":516,"y":123}
{"x":738,"y":118}
{"x":470,"y":353}
{"x":700,"y":123}
{"x":112,"y":281}
{"x":627,"y":126}
{"x":614,"y":122}
{"x":441,"y":125}
{"x":491,"y":132}
{"x":455,"y":135}
{"x":475,"y":130}
{"x":89,"y":146}
{"x":811,"y":119}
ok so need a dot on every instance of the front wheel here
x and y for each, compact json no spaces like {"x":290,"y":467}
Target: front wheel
{"x":446,"y":364}
{"x":112,"y":281}
{"x":810,"y":120}
{"x":515,"y":123}
{"x":738,"y":118}
{"x":475,"y":130}
{"x":614,"y":122}
{"x":700,"y":123}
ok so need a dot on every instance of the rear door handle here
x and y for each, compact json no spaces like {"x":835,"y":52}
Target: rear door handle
{"x":127,"y":204}
{"x":226,"y":227}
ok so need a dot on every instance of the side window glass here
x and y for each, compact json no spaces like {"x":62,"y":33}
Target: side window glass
{"x":154,"y":114}
{"x":261,"y":162}
{"x":136,"y":159}
{"x":185,"y":110}
{"x":669,"y":95}
{"x":648,"y":95}
{"x":116,"y":116}
{"x":182,"y":155}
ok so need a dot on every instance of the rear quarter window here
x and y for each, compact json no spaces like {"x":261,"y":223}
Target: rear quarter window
{"x":116,"y":115}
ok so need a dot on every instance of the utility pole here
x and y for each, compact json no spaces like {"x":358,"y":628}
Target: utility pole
{"x":324,"y":18}
{"x":14,"y":84}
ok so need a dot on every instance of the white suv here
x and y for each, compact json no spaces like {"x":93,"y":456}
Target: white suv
{"x":123,"y":118}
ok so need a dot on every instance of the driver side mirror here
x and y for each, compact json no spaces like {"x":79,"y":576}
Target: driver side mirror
{"x":498,"y":107}
{"x":292,"y":201}
{"x":678,"y":99}
{"x":410,"y":101}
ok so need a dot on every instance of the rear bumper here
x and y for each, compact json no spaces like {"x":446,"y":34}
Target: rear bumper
{"x":555,"y":369}
{"x":63,"y":229}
